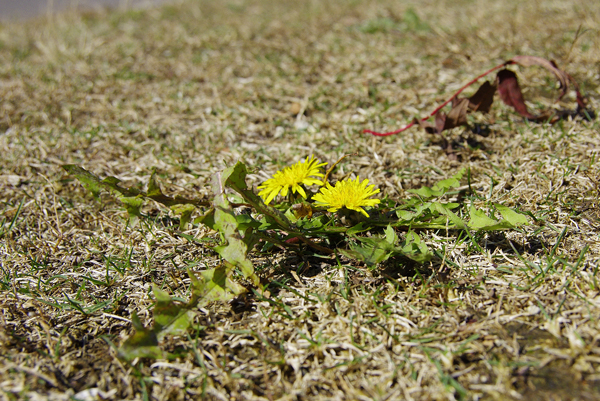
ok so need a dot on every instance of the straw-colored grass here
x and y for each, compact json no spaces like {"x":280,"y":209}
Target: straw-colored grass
{"x":191,"y":88}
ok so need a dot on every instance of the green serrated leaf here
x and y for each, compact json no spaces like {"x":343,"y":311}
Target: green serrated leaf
{"x":174,"y":318}
{"x":143,"y":343}
{"x":95,"y":185}
{"x":449,"y":183}
{"x":132,"y":204}
{"x":513,"y":217}
{"x":446,"y":184}
{"x":235,"y":253}
{"x":111,"y":181}
{"x":426,"y":192}
{"x":289,"y":214}
{"x":136,"y":322}
{"x":371,"y":254}
{"x":442,"y":209}
{"x":373,"y":250}
{"x":185,"y":214}
{"x":89,"y":181}
{"x":315,"y":224}
{"x":245,"y":221}
{"x":153,"y":187}
{"x":414,"y":248}
{"x":215,"y":285}
{"x":360,"y":227}
{"x":235,"y":248}
{"x":481,"y":222}
{"x":376,"y":250}
{"x":208,"y":218}
{"x":440,"y":188}
{"x":131,"y":198}
{"x":235,"y":178}
{"x":390,"y":235}
{"x":406,"y":215}
{"x":156,"y":194}
{"x":169,"y":317}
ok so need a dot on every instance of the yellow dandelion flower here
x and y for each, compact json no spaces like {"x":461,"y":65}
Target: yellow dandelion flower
{"x":301,"y":173}
{"x":351,"y":194}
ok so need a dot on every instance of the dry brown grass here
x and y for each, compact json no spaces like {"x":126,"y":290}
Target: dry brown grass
{"x":193,"y":87}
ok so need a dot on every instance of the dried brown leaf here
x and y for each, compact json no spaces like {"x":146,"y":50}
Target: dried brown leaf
{"x":563,"y":77}
{"x":508,"y":87}
{"x":443,"y":121}
{"x":484,"y":97}
{"x":429,"y":127}
{"x":458,"y":114}
{"x":510,"y":92}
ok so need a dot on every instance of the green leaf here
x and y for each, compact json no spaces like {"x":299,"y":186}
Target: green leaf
{"x":245,"y":222}
{"x":132,"y":204}
{"x":185,"y":214}
{"x":411,"y":211}
{"x":360,"y":227}
{"x":175,"y":318}
{"x":514,"y":218}
{"x":95,"y":185}
{"x":153,"y":187}
{"x":130,"y":198}
{"x":156,"y":194}
{"x":89,"y":181}
{"x":406,"y":215}
{"x":235,"y":178}
{"x":143,"y":343}
{"x":208,"y":219}
{"x":133,"y":199}
{"x":452,"y":182}
{"x":215,"y":285}
{"x":314,"y":224}
{"x":169,"y":317}
{"x":415,"y":249}
{"x":481,"y":222}
{"x":376,"y":250}
{"x":390,"y":235}
{"x":291,"y":216}
{"x":440,"y":188}
{"x":451,"y":205}
{"x":456,"y":221}
{"x":235,"y":249}
{"x":426,"y":192}
{"x":371,"y":252}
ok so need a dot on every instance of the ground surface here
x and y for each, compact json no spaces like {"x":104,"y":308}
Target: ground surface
{"x":11,"y":10}
{"x":190,"y":89}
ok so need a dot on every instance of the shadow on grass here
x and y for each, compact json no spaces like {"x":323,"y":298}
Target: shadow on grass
{"x":555,"y":380}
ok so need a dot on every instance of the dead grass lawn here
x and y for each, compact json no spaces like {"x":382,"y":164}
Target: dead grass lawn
{"x":193,"y":87}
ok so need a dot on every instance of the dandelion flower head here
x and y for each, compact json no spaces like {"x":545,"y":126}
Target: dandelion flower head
{"x":351,"y":194}
{"x":292,"y":177}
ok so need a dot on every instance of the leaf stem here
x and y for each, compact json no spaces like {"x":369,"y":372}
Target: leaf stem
{"x":434,"y":112}
{"x":312,"y":244}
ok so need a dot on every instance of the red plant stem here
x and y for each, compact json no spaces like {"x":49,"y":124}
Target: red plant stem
{"x":434,"y":112}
